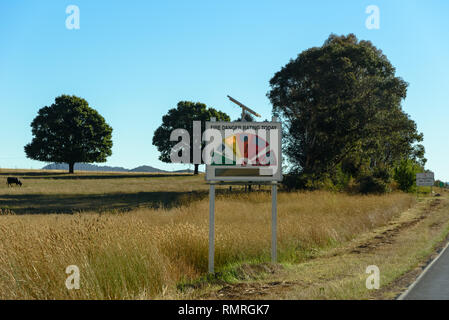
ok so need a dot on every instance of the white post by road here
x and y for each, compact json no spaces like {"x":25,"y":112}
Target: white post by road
{"x":274,"y":195}
{"x":211,"y":227}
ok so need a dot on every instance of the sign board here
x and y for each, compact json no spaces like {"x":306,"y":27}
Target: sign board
{"x":425,"y":179}
{"x":244,"y":151}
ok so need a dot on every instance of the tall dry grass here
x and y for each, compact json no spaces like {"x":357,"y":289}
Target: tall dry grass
{"x":145,"y":253}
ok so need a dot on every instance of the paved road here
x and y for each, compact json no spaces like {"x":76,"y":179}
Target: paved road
{"x":434,"y":284}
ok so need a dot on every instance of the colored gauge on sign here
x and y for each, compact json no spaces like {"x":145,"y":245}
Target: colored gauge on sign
{"x":247,"y":149}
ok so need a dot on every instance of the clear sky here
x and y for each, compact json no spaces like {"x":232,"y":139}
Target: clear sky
{"x":133,"y":60}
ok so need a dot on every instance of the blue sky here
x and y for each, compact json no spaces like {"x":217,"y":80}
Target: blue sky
{"x":133,"y":60}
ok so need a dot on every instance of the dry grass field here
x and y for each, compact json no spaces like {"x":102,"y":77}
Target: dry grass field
{"x":141,"y":236}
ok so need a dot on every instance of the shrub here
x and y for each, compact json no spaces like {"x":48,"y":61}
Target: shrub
{"x":294,"y":181}
{"x":405,"y":173}
{"x":371,"y":184}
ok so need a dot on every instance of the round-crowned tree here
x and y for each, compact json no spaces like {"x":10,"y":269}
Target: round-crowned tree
{"x":182,"y":117}
{"x":69,"y":131}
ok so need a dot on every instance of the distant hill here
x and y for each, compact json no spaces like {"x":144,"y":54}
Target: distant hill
{"x":83,"y":167}
{"x":146,"y":169}
{"x":94,"y":167}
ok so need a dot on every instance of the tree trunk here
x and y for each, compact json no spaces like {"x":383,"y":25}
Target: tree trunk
{"x":196,"y":169}
{"x":71,"y":167}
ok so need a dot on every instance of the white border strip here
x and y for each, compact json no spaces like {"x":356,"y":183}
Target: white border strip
{"x":410,"y":288}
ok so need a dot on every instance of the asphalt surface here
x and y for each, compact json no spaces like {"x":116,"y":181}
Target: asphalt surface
{"x":434,"y":284}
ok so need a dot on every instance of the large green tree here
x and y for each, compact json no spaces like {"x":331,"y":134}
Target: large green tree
{"x":182,"y":117}
{"x":339,"y":100}
{"x":69,"y":131}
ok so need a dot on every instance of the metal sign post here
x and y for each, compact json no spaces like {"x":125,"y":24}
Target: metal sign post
{"x":274,"y":196}
{"x":211,"y":227}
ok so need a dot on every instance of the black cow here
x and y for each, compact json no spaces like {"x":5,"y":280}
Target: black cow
{"x":12,"y":180}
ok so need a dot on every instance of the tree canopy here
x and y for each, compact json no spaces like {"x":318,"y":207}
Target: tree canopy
{"x":247,"y":118}
{"x":341,"y":102}
{"x":182,"y":117}
{"x":69,"y":131}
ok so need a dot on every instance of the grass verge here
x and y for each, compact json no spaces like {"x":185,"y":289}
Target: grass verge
{"x":401,"y":249}
{"x":149,"y":253}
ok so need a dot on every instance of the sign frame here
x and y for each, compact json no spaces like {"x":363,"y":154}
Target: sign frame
{"x":213,"y":181}
{"x":211,"y":176}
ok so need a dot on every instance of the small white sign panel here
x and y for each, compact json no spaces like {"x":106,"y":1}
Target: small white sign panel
{"x":246,"y":151}
{"x":425,"y":179}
